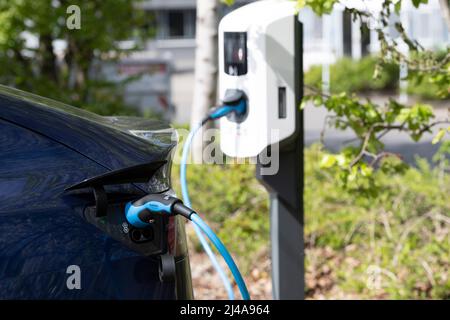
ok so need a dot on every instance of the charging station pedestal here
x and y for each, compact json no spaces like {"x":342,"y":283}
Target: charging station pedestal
{"x":286,"y":199}
{"x":260,"y":56}
{"x":286,"y":219}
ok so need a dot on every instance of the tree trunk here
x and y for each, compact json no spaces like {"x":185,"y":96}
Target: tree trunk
{"x":445,"y":6}
{"x":205,"y":89}
{"x":48,"y":63}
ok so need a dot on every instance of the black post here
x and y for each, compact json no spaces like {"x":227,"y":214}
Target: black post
{"x":286,"y":201}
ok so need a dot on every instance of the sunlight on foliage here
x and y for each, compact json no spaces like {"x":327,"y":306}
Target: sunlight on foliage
{"x":394,"y":244}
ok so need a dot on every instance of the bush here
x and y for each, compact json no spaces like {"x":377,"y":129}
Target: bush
{"x":232,"y":201}
{"x":348,"y":75}
{"x":393,"y":245}
{"x":425,"y":89}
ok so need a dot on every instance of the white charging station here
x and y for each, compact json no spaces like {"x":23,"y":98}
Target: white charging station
{"x":260,"y":54}
{"x":257,"y":56}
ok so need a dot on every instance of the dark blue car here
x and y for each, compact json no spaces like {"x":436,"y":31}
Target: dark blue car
{"x":65,"y":177}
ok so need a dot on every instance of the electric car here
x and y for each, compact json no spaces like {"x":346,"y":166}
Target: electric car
{"x":66,"y":176}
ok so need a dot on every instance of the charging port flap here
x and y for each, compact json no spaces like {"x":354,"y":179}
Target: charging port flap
{"x":134,"y":174}
{"x":107,"y":213}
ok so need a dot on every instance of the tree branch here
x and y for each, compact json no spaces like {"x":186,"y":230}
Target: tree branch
{"x":387,"y":128}
{"x":363,"y":147}
{"x":382,"y":155}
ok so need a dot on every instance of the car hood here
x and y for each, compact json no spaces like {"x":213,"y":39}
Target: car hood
{"x":113,"y":142}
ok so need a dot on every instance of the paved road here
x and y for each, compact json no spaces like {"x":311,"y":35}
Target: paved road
{"x":394,"y":141}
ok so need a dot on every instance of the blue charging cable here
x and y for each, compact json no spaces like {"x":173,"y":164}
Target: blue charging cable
{"x":141,"y":213}
{"x":187,"y":201}
{"x":225,"y":254}
{"x":238,"y":106}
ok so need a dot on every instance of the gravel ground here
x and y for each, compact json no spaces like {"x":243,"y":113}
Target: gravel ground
{"x":320,"y":278}
{"x":207,"y":284}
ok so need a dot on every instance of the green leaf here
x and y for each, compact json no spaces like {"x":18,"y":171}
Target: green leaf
{"x":303,"y":104}
{"x":438,"y":136}
{"x":425,"y":111}
{"x":301,"y":4}
{"x":398,"y":6}
{"x":404,"y":114}
{"x":327,"y":161}
{"x":341,"y":160}
{"x":366,"y":171}
{"x":228,"y":2}
{"x":353,"y":174}
{"x":416,"y":3}
{"x":318,"y":101}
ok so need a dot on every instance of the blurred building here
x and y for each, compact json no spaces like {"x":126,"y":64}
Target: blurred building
{"x":175,"y":40}
{"x":326,"y":38}
{"x":144,"y":79}
{"x":333,"y":36}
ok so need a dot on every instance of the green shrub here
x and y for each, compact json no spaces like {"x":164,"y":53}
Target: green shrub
{"x":425,"y":89}
{"x":231,"y":199}
{"x":401,"y":235}
{"x":348,"y":75}
{"x":393,"y":245}
{"x":351,"y":76}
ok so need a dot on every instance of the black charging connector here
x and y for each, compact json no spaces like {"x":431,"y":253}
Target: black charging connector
{"x":181,"y":209}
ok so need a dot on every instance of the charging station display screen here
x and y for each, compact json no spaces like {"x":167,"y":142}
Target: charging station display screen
{"x":235,"y":53}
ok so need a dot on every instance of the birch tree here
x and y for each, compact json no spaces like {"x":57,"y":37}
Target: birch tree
{"x":205,"y":89}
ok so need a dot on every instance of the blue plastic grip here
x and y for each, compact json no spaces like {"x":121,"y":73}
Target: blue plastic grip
{"x":222,"y":111}
{"x":132,"y":212}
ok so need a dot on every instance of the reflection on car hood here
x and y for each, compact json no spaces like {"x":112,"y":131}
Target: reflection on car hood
{"x":113,"y":142}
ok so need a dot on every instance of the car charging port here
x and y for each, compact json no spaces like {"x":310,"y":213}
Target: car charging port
{"x":142,"y":235}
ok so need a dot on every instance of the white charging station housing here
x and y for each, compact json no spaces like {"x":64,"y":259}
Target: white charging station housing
{"x":257,"y":55}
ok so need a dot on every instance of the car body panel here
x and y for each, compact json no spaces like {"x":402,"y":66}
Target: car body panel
{"x":43,"y":230}
{"x":106,"y":140}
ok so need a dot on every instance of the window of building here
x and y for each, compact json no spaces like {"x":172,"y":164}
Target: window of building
{"x":175,"y":20}
{"x":176,"y":24}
